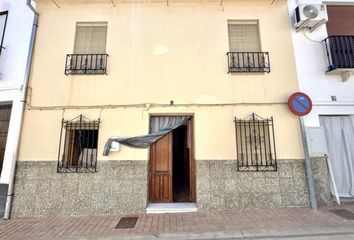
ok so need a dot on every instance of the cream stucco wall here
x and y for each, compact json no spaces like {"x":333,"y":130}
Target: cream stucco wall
{"x":159,"y":53}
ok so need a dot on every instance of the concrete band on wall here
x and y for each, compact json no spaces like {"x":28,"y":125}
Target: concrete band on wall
{"x":121,"y":187}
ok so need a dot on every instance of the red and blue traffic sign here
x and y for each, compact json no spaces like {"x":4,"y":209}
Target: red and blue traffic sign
{"x":300,"y":104}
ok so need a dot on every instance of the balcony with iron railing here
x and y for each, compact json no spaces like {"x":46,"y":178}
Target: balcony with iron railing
{"x":339,"y":54}
{"x":248,"y":62}
{"x":86,"y":64}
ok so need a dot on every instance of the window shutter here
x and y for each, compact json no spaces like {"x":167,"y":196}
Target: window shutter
{"x":244,"y":36}
{"x":236,"y":39}
{"x":90,"y":38}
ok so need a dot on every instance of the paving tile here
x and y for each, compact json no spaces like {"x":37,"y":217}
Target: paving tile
{"x":199,"y":222}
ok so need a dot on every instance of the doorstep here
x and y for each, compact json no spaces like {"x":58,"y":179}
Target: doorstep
{"x":346,"y":200}
{"x":171,"y":208}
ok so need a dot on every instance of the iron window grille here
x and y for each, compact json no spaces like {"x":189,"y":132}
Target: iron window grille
{"x":255,"y":144}
{"x":86,"y":64}
{"x":3,"y":21}
{"x":248,"y":62}
{"x":339,"y":51}
{"x":78,"y":145}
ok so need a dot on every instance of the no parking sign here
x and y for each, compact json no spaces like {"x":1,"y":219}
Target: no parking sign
{"x":300,"y":104}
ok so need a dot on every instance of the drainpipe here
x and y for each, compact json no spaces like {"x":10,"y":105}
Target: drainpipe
{"x":22,"y":107}
{"x":310,"y":182}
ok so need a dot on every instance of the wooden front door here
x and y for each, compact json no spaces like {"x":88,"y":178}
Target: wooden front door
{"x":192,"y":177}
{"x":161,"y":170}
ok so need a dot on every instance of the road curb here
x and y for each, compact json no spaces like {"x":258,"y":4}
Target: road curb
{"x":236,"y":234}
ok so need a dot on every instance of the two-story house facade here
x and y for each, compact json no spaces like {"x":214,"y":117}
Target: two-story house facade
{"x":179,"y":103}
{"x":325,"y":65}
{"x":16,"y":38}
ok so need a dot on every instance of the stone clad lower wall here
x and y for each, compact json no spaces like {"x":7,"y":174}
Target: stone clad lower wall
{"x":121,"y":187}
{"x":116,"y":187}
{"x":221,"y":186}
{"x":321,"y":181}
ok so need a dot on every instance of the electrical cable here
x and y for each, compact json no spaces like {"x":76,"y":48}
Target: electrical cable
{"x":308,"y":38}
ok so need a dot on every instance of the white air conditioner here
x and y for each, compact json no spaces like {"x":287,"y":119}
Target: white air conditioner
{"x":310,"y":16}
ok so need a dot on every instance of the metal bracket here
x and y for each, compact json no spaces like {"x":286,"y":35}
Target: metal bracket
{"x":317,"y":25}
{"x":302,"y":26}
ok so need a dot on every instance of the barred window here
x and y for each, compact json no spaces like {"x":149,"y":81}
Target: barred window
{"x":78,"y":145}
{"x":255,"y":144}
{"x":3,"y":20}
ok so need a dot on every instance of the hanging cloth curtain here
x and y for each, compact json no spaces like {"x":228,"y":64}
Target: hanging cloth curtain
{"x":339,"y":132}
{"x":348,"y":138}
{"x":159,"y":127}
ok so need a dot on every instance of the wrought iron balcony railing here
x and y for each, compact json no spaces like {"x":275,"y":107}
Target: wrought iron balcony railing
{"x":339,"y":52}
{"x":248,"y":62}
{"x":86,"y":64}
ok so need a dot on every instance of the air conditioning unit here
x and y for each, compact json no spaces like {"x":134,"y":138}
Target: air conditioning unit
{"x":310,"y":16}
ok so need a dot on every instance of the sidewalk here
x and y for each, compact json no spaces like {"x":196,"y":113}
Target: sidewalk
{"x":246,"y":224}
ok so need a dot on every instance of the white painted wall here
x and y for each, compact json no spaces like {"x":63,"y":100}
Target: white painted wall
{"x":13,"y":62}
{"x":311,"y":67}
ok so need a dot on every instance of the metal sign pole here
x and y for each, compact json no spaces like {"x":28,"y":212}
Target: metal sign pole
{"x":308,"y":165}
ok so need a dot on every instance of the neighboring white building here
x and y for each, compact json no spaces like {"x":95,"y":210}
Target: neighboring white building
{"x":16,"y":31}
{"x":330,"y":85}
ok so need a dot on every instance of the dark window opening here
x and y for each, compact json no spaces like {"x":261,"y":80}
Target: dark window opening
{"x":181,"y":171}
{"x":255,"y":144}
{"x":78,"y":145}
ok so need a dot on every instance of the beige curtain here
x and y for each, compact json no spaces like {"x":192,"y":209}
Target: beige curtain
{"x":244,"y":36}
{"x":90,"y":38}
